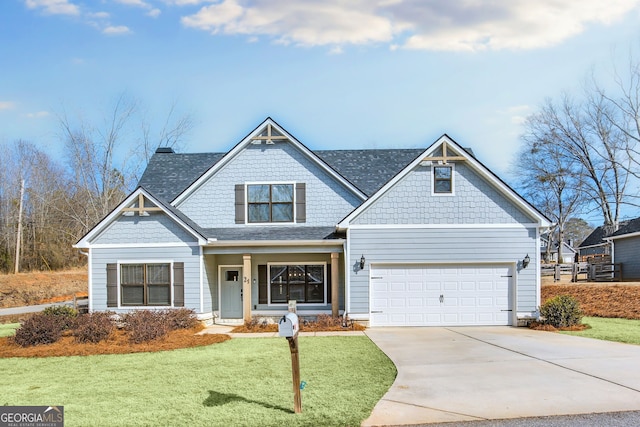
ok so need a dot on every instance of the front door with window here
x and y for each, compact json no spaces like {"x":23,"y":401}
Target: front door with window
{"x":231,"y":292}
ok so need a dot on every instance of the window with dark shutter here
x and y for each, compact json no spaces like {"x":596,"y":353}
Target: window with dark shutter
{"x":263,"y":284}
{"x":112,"y":285}
{"x":178,"y":284}
{"x":301,"y":202}
{"x":239,"y":203}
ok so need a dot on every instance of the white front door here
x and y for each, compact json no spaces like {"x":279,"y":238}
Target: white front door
{"x":441,"y":295}
{"x":231,"y":292}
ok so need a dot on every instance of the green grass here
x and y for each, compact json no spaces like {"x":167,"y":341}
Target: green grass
{"x":621,"y":330}
{"x":8,"y":329}
{"x":241,"y":382}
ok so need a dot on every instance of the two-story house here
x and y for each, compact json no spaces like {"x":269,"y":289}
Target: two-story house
{"x":388,"y":237}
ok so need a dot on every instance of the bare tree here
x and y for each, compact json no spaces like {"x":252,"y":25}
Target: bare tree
{"x":553,"y":184}
{"x":590,"y":145}
{"x":172,"y":133}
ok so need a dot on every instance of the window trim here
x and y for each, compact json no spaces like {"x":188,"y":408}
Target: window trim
{"x":270,"y":183}
{"x":305,"y":263}
{"x":120,"y":305}
{"x":433,"y":179}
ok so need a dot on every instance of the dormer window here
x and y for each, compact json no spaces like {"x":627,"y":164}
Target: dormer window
{"x":269,"y":203}
{"x":443,"y":179}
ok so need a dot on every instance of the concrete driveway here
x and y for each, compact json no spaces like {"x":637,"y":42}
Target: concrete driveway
{"x":483,"y":373}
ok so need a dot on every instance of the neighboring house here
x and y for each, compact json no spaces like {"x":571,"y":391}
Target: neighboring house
{"x":596,"y":245}
{"x":389,"y":237}
{"x":626,"y":248}
{"x":567,"y":252}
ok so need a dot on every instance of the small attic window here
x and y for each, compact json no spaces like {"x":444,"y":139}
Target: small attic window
{"x":443,"y":179}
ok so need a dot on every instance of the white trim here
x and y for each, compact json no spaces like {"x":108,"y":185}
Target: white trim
{"x":621,"y":236}
{"x":90,"y":280}
{"x":347,"y":273}
{"x":289,"y":263}
{"x":452,"y":166}
{"x":95,"y":232}
{"x":246,"y":202}
{"x":438,"y":226}
{"x":143,"y":245}
{"x":201,"y":263}
{"x":144,"y":261}
{"x":473,"y":164}
{"x":248,"y":141}
{"x":240,"y":274}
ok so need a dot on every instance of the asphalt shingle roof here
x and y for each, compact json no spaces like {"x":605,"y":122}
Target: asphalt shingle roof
{"x":168,"y":174}
{"x":273,"y":233}
{"x":631,"y":226}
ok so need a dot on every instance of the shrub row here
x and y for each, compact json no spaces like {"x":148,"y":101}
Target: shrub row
{"x":142,"y":325}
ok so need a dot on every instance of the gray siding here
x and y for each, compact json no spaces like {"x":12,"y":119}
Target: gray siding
{"x":627,"y":252}
{"x":155,"y":228}
{"x":474,"y":201}
{"x":100,"y":257}
{"x":212,"y":204}
{"x":443,"y":245}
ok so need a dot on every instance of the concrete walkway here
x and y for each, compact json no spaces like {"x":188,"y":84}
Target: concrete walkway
{"x":30,"y":308}
{"x":486,"y":373}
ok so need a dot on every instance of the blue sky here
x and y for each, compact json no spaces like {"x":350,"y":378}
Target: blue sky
{"x":336,"y":74}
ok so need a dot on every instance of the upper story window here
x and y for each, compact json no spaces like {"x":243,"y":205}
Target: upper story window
{"x":270,"y":203}
{"x":443,"y":179}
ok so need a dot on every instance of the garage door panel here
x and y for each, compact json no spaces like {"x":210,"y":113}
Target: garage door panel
{"x":411,"y":296}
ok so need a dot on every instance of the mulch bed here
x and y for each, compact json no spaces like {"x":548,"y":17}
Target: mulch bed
{"x":620,"y":301}
{"x":117,"y":343}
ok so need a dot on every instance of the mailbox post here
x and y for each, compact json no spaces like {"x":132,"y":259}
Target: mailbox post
{"x":288,"y":327}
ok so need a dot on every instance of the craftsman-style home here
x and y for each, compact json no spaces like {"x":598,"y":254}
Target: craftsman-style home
{"x":405,"y":237}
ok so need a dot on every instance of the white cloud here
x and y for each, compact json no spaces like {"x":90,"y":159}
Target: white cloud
{"x":439,"y":25}
{"x":54,"y":7}
{"x":517,"y":114}
{"x":116,"y":30}
{"x":6,"y":105}
{"x":154,"y":13}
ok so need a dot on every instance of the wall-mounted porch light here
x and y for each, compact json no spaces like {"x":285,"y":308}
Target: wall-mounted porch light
{"x":526,"y":261}
{"x":362,"y":261}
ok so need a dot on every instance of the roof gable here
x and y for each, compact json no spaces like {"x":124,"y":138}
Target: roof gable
{"x":443,"y":151}
{"x":141,"y":202}
{"x":268,"y":132}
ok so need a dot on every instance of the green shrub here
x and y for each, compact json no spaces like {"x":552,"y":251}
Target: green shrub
{"x":145,"y":325}
{"x":65,"y":314}
{"x":561,"y":311}
{"x":93,"y":327}
{"x":39,"y":329}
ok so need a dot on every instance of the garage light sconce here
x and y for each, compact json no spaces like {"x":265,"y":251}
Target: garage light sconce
{"x":362,"y":260}
{"x":526,"y":261}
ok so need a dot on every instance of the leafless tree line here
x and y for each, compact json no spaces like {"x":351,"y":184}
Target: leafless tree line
{"x":581,"y":153}
{"x":63,"y":199}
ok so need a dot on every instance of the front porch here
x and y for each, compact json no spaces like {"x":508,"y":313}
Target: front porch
{"x":241,"y":283}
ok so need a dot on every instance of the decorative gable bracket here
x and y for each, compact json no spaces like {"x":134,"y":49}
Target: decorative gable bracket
{"x":140,"y":209}
{"x":445,"y":158}
{"x":269,"y":136}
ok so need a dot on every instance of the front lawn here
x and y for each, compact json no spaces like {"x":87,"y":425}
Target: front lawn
{"x":238,"y":382}
{"x":621,"y":330}
{"x":8,"y":329}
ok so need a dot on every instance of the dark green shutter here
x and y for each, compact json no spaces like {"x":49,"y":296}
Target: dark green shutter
{"x":301,"y":202}
{"x":262,"y":285}
{"x":178,"y":284}
{"x":112,"y":285}
{"x":240,"y":204}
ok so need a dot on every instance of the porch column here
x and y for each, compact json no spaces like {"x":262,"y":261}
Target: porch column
{"x":246,"y":287}
{"x":335,"y":276}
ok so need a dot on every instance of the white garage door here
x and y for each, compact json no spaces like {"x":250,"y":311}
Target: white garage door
{"x":441,"y":295}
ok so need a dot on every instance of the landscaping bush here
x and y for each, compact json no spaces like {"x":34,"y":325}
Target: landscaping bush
{"x":181,"y":318}
{"x":39,"y":329}
{"x":65,"y":315}
{"x":93,"y":327}
{"x":145,"y":325}
{"x":562,"y":311}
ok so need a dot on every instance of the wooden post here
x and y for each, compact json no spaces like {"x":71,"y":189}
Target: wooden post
{"x":295,"y":369}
